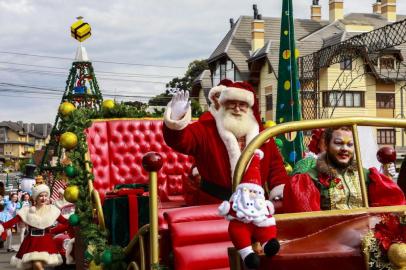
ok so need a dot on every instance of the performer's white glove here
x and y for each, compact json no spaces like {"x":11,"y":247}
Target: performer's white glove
{"x":392,"y":170}
{"x":277,"y":193}
{"x":180,"y":104}
{"x":224,"y":208}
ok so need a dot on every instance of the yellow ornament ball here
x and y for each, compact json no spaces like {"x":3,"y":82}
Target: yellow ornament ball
{"x":66,"y":108}
{"x":108,"y":104}
{"x":68,"y":140}
{"x":288,"y":168}
{"x":269,"y":124}
{"x":94,"y":266}
{"x":71,"y":194}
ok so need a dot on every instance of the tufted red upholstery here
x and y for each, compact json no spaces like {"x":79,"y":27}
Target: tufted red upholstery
{"x":199,"y":238}
{"x":116,"y":149}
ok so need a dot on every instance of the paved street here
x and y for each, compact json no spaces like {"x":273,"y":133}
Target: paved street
{"x":6,"y":256}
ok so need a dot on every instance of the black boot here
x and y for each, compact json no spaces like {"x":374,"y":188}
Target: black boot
{"x":271,"y":247}
{"x":252,"y":261}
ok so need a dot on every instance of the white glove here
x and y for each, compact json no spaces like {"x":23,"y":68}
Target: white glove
{"x":224,"y":208}
{"x":180,"y":104}
{"x":392,"y":170}
{"x":277,"y":192}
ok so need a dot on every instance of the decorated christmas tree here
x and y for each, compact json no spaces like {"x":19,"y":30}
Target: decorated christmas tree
{"x":81,"y":91}
{"x":288,"y":104}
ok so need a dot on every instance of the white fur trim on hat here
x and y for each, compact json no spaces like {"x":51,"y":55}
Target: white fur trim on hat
{"x":38,"y":189}
{"x":215,"y":90}
{"x":176,"y":124}
{"x":277,"y":192}
{"x":233,"y":93}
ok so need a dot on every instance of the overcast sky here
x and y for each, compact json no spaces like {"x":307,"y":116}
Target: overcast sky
{"x":165,"y":35}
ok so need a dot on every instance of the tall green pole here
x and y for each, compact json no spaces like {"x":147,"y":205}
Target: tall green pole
{"x":288,"y":106}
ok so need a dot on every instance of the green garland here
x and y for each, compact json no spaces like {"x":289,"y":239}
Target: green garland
{"x":112,"y":257}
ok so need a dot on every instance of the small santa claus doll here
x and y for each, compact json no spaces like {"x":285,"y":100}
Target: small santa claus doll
{"x":250,"y":216}
{"x":38,"y":249}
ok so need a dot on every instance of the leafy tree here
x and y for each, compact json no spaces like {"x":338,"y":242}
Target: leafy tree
{"x":195,"y":68}
{"x":137,"y":104}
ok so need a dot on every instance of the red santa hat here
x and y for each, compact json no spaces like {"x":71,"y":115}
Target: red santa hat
{"x":252,"y":177}
{"x":242,"y":91}
{"x":219,"y":88}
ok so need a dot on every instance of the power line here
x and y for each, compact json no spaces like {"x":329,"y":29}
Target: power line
{"x":98,"y":71}
{"x":95,"y":61}
{"x":56,"y":73}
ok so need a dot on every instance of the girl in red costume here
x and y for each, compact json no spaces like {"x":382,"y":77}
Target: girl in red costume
{"x":38,"y":249}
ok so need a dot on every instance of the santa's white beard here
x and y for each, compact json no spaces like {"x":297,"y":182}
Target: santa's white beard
{"x":240,"y":125}
{"x":249,"y":209}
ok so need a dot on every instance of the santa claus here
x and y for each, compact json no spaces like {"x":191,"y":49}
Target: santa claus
{"x":218,"y":137}
{"x":38,"y":249}
{"x":251,"y":217}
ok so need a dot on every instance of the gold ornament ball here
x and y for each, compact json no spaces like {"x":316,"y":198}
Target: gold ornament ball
{"x":288,"y":168}
{"x":269,"y":124}
{"x":68,"y":140}
{"x":71,"y":194}
{"x":94,"y":266}
{"x":66,"y":108}
{"x":397,"y":255}
{"x":108,"y":104}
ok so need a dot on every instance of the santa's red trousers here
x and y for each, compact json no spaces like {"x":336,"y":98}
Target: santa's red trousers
{"x":243,"y":234}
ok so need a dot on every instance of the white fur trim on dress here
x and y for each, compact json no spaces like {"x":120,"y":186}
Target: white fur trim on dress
{"x":30,"y":216}
{"x":28,"y":258}
{"x":176,"y":124}
{"x":68,"y":252}
{"x":231,"y":143}
{"x":233,"y":93}
{"x":277,"y":192}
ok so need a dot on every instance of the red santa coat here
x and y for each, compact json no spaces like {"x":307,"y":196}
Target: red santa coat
{"x":37,"y":247}
{"x":216,"y":153}
{"x":302,"y":195}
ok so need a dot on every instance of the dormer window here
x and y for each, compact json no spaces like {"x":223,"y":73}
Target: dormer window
{"x":346,"y":64}
{"x":387,"y":63}
{"x":225,"y":70}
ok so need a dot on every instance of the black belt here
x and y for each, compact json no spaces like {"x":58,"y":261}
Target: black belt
{"x":38,"y":232}
{"x":215,"y":190}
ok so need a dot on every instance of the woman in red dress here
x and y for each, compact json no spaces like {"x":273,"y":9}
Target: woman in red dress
{"x":38,"y":250}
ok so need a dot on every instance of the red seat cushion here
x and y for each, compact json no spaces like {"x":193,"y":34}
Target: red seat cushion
{"x":116,"y":150}
{"x":325,"y":243}
{"x":199,"y":237}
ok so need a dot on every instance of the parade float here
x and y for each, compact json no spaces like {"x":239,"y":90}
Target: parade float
{"x":132,"y":194}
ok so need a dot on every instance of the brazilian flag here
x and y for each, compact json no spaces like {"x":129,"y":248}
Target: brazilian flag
{"x":288,"y":106}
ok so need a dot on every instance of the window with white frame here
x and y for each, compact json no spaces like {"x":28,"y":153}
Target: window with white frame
{"x":343,"y":99}
{"x":225,"y":70}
